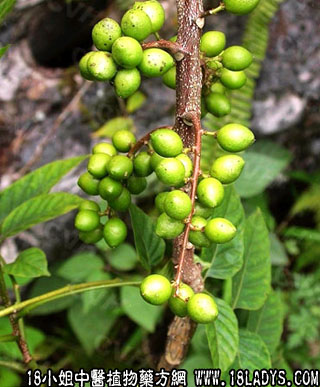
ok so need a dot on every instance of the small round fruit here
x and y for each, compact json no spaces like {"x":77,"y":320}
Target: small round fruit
{"x":160,"y":200}
{"x":89,"y":205}
{"x":210,"y":192}
{"x":127,"y":52}
{"x":240,"y":7}
{"x":178,"y":304}
{"x":236,"y":58}
{"x":110,"y":189}
{"x":136,"y":185}
{"x":187,"y":163}
{"x":166,"y":142}
{"x":83,"y":67}
{"x":122,"y":202}
{"x":89,"y":184}
{"x":101,"y":66}
{"x":235,"y":137}
{"x":98,"y":164}
{"x":218,"y":104}
{"x":203,"y":211}
{"x":177,"y":205}
{"x":217,"y":87}
{"x":120,"y":167}
{"x":212,"y":43}
{"x":202,"y":308}
{"x":155,"y":62}
{"x":220,"y":230}
{"x":155,"y":289}
{"x":142,"y":164}
{"x":136,"y":24}
{"x":87,"y":220}
{"x":123,"y":140}
{"x":155,"y":160}
{"x":168,"y":228}
{"x":105,"y":33}
{"x":115,"y":232}
{"x":91,"y":237}
{"x":233,"y":79}
{"x":169,"y":78}
{"x":155,"y":12}
{"x":227,"y":168}
{"x":171,"y":172}
{"x":127,"y":82}
{"x":104,"y":147}
{"x":198,"y":237}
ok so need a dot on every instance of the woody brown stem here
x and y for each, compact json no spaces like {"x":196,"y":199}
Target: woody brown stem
{"x":175,"y":48}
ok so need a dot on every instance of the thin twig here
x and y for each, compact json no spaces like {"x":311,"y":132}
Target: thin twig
{"x":214,"y":11}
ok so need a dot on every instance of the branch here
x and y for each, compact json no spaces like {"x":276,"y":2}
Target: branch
{"x":175,"y":48}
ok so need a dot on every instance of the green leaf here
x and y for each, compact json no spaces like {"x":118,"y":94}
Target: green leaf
{"x":264,"y":162}
{"x":5,"y":7}
{"x":251,"y":285}
{"x":123,"y":258}
{"x":30,"y":263}
{"x":113,"y":125}
{"x":150,"y":247}
{"x":193,"y":362}
{"x":37,"y":210}
{"x":94,"y":297}
{"x":277,"y":251}
{"x":9,"y":378}
{"x":253,"y":354}
{"x":138,"y":310}
{"x":302,"y":233}
{"x":93,"y":325}
{"x":35,"y":183}
{"x":268,"y":321}
{"x":223,"y":337}
{"x":80,"y":266}
{"x":3,"y":50}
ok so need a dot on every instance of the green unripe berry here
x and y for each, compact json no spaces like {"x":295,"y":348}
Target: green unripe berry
{"x":120,"y":167}
{"x":220,"y":230}
{"x":160,"y":200}
{"x":166,"y":142}
{"x":155,"y":289}
{"x":155,"y":160}
{"x":233,"y":79}
{"x":227,"y":168}
{"x":123,"y":140}
{"x":105,"y":33}
{"x":171,"y":172}
{"x":83,"y":67}
{"x":89,"y":205}
{"x":115,"y":232}
{"x":177,"y":205}
{"x":202,"y":308}
{"x":142,"y":164}
{"x":210,"y":192}
{"x":178,"y":304}
{"x":155,"y":12}
{"x":168,"y":228}
{"x":89,"y":184}
{"x":136,"y":24}
{"x":170,"y":77}
{"x":101,"y":66}
{"x":187,"y":163}
{"x":155,"y":62}
{"x":217,"y":87}
{"x":127,"y":82}
{"x":110,"y":189}
{"x":122,"y":202}
{"x":236,"y":58}
{"x":87,"y":220}
{"x":202,"y":211}
{"x":218,"y":104}
{"x":198,"y":237}
{"x":98,"y":164}
{"x":235,"y":137}
{"x":91,"y":237}
{"x":212,"y":43}
{"x":104,"y":147}
{"x":240,"y":7}
{"x":127,"y":52}
{"x":136,"y":185}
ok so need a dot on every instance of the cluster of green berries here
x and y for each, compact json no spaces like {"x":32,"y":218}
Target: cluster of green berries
{"x":120,"y":58}
{"x":200,"y":307}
